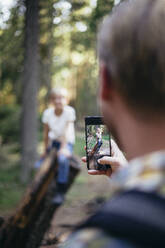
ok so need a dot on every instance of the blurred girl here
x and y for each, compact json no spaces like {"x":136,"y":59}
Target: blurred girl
{"x":59,"y":133}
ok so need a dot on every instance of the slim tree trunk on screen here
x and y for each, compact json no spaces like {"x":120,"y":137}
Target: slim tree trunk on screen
{"x":30,"y":89}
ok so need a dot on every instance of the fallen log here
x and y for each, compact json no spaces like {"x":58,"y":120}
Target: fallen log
{"x":26,"y":228}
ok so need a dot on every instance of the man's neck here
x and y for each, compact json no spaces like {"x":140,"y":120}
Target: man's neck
{"x":140,"y":138}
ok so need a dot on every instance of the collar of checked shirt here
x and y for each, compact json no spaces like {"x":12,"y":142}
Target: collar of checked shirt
{"x":145,"y":173}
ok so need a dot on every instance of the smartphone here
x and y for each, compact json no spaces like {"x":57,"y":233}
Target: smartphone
{"x":98,"y":142}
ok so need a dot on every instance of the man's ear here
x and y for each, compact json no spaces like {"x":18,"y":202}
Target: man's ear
{"x":105,"y":82}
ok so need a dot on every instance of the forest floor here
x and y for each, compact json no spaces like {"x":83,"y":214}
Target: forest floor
{"x":85,"y":196}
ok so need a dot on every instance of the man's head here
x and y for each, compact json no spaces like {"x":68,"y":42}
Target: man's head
{"x":131,"y":48}
{"x":58,"y":97}
{"x":99,"y":130}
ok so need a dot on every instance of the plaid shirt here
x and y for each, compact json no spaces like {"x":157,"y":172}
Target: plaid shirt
{"x":147,"y":174}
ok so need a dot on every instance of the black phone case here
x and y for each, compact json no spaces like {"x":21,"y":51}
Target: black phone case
{"x":95,"y":120}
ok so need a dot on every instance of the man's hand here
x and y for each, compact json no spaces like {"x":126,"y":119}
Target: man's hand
{"x":116,"y":161}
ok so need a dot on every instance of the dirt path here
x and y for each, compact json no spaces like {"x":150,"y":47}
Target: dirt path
{"x":84,"y":197}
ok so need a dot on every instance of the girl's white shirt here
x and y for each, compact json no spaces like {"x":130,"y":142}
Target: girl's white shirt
{"x":62,"y":126}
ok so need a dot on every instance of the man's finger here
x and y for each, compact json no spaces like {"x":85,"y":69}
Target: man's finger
{"x":84,"y":159}
{"x":114,"y":147}
{"x":96,"y":172}
{"x":107,"y":160}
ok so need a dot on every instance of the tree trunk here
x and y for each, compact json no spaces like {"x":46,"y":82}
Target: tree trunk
{"x":47,"y":30}
{"x":30,"y":89}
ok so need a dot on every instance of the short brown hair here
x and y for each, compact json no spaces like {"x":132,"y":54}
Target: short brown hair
{"x":131,"y":42}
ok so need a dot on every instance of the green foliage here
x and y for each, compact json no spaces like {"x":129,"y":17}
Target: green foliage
{"x":79,"y":144}
{"x":76,"y":49}
{"x":10,"y":123}
{"x":11,"y":190}
{"x":102,"y":9}
{"x":11,"y":47}
{"x":67,"y":30}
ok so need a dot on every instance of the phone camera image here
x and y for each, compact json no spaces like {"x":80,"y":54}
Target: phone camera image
{"x":97,"y":143}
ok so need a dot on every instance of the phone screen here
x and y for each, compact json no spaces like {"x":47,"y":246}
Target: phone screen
{"x":97,"y":142}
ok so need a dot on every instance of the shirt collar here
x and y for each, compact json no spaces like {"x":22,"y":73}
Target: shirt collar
{"x":145,"y":173}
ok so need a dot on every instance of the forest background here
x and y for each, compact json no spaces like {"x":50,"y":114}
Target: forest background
{"x":43,"y":44}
